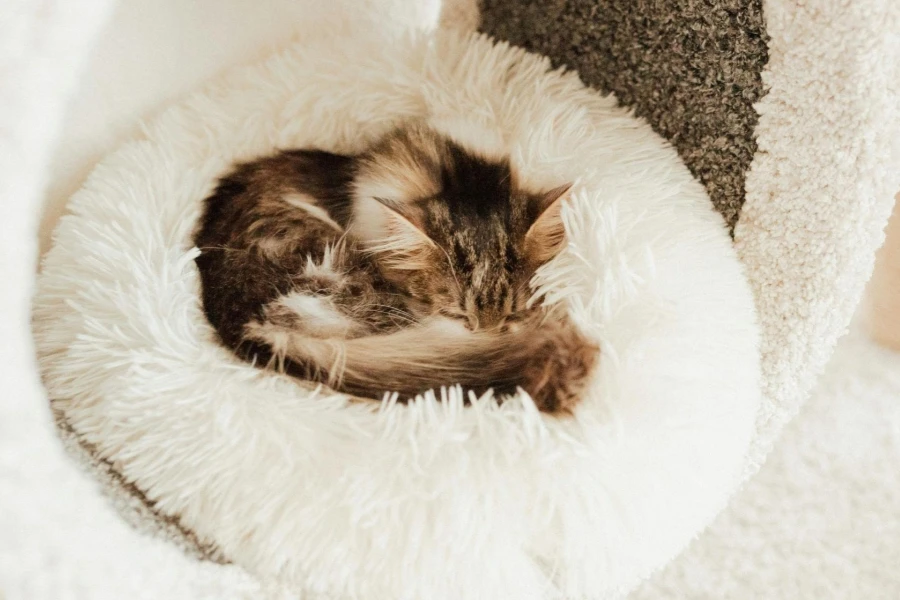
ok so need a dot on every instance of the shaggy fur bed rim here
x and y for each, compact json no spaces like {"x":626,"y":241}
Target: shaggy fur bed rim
{"x":302,"y":487}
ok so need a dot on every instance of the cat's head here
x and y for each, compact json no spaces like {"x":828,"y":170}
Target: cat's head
{"x":452,"y":229}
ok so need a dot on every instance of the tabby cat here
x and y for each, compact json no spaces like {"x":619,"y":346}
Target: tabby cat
{"x":402,"y":269}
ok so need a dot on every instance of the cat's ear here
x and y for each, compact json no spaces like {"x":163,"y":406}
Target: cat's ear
{"x":546,"y":235}
{"x":394,"y":230}
{"x":405,"y":223}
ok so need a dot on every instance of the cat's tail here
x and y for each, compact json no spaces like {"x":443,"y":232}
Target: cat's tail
{"x":551,"y":361}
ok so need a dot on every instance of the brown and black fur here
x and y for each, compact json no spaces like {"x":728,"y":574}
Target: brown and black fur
{"x":390,"y":245}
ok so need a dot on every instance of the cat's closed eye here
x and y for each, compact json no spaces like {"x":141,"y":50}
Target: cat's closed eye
{"x":512,"y":323}
{"x":506,"y":323}
{"x":469,"y":320}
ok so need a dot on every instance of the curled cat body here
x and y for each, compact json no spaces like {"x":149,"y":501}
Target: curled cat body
{"x":402,"y":269}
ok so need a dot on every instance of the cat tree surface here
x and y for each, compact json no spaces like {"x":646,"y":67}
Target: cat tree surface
{"x":692,"y":69}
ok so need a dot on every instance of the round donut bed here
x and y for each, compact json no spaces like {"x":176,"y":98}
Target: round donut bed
{"x":315,"y":495}
{"x":385,"y":500}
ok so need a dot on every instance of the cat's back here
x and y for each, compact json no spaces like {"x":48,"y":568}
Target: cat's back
{"x":261,"y":225}
{"x":291,"y":196}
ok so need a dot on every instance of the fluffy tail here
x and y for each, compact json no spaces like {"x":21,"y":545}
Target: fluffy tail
{"x":550,"y":361}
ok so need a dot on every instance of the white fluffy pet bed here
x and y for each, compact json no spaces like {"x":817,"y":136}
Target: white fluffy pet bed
{"x":430,"y":500}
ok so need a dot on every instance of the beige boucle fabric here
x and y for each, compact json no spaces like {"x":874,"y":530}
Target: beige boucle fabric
{"x":820,"y":188}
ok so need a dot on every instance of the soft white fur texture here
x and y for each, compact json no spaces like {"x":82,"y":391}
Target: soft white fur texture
{"x":430,"y":500}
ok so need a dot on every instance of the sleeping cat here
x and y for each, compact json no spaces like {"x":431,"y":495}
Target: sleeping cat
{"x":404,"y":268}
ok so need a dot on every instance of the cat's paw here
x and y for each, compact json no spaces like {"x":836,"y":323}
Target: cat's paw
{"x":555,"y":375}
{"x":271,"y":334}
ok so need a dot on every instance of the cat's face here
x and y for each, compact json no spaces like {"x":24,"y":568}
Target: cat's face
{"x":452,"y":230}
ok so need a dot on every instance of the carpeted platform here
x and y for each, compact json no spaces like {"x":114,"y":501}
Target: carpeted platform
{"x":691,"y":68}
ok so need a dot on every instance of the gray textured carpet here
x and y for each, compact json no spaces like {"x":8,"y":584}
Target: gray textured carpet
{"x":690,"y":67}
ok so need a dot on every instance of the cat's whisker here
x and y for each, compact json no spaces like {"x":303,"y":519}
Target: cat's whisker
{"x":225,"y":249}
